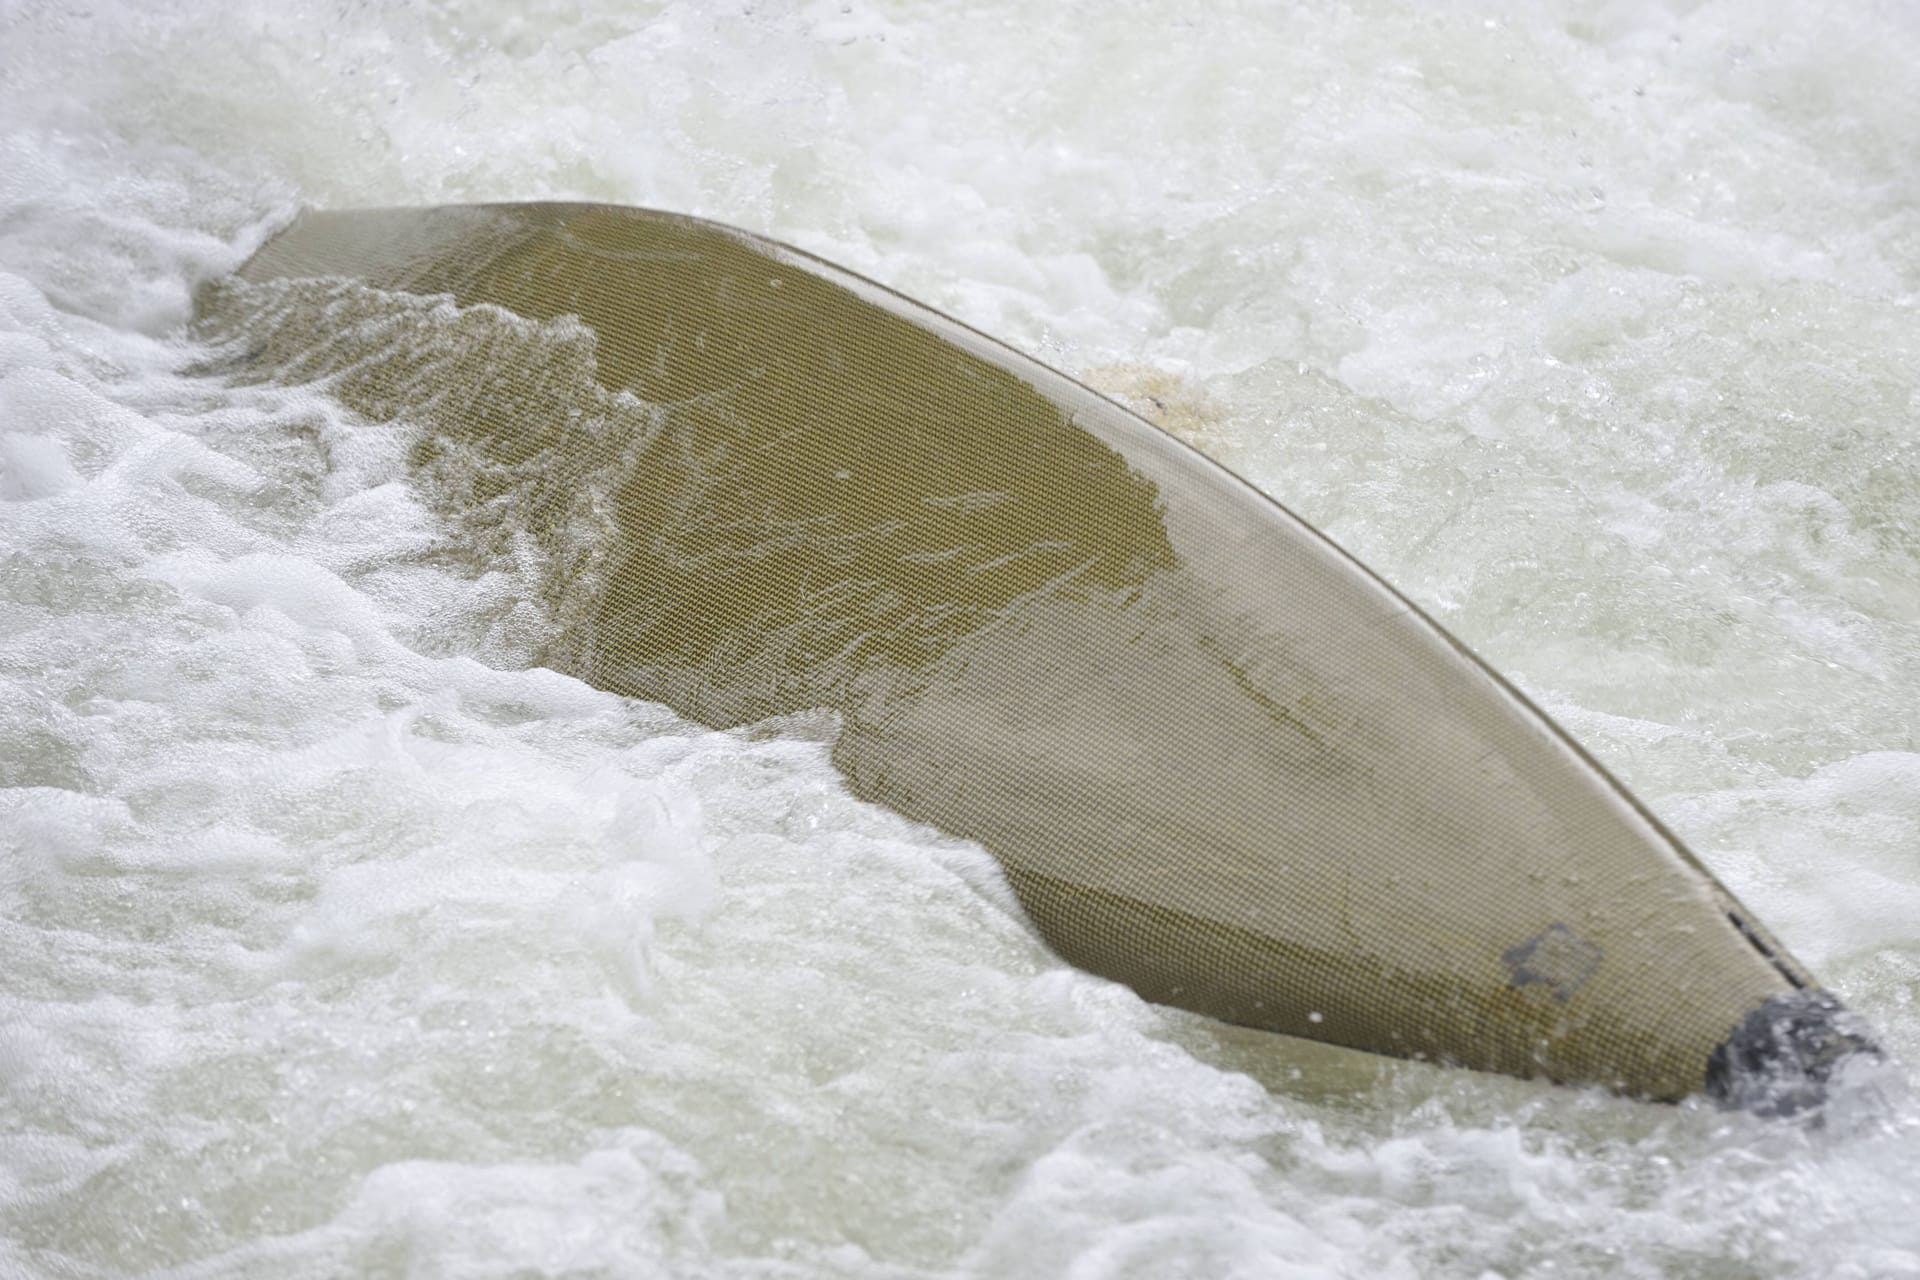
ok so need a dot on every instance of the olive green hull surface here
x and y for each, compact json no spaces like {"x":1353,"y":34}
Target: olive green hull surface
{"x":1218,"y":759}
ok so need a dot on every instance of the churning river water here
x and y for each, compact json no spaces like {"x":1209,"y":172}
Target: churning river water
{"x":335,"y":940}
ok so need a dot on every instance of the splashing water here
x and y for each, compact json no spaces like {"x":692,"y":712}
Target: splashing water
{"x":336,"y":940}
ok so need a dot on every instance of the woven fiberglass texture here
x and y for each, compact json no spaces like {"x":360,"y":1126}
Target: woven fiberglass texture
{"x":1218,"y":760}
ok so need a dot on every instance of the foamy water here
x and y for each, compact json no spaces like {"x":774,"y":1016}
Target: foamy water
{"x":333,"y":941}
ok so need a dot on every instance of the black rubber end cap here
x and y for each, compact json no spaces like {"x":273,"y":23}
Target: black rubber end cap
{"x":1780,"y":1060}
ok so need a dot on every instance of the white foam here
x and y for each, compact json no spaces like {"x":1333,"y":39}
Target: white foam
{"x":327,"y":949}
